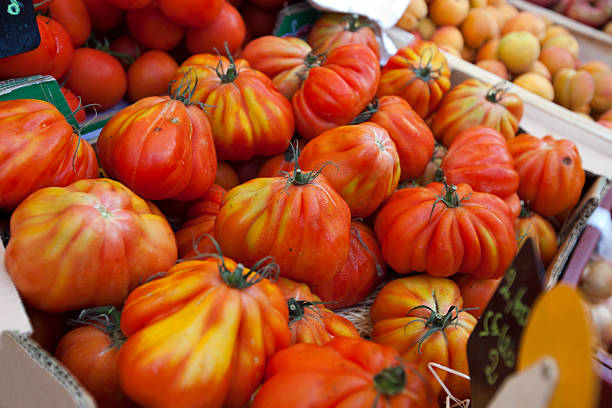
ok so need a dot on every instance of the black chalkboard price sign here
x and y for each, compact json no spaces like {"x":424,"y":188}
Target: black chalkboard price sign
{"x":18,"y":29}
{"x":493,"y":345}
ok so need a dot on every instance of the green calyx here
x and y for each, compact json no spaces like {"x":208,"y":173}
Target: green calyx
{"x":104,"y":318}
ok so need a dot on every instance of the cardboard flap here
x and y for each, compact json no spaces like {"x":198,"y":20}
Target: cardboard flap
{"x":32,"y":378}
{"x":13,"y":316}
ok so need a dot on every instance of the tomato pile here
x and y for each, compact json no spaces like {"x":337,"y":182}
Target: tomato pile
{"x":251,"y":195}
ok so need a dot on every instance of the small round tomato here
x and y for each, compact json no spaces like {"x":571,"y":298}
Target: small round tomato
{"x":228,"y":28}
{"x":152,"y":29}
{"x":191,"y":13}
{"x":97,"y":77}
{"x":64,"y":49}
{"x":150,"y":75}
{"x":73,"y":15}
{"x":104,"y":16}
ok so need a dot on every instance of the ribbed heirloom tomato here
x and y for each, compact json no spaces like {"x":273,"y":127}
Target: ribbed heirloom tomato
{"x":364,"y":166}
{"x":333,"y":30}
{"x":443,"y":230}
{"x":201,"y":336}
{"x":310,"y":321}
{"x":337,"y":90}
{"x":95,"y":240}
{"x":298,"y":219}
{"x":342,"y":373}
{"x":160,"y":147}
{"x":33,"y":131}
{"x":248,"y":115}
{"x":419,"y":74}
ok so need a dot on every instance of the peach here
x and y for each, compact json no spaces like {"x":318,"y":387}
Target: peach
{"x":496,"y":67}
{"x":479,"y":27}
{"x":449,"y":12}
{"x":488,"y":51}
{"x":573,"y":89}
{"x":448,"y":35}
{"x":537,"y":84}
{"x":541,"y":69}
{"x":593,"y":67}
{"x":426,"y":28}
{"x":602,"y":100}
{"x":564,"y":41}
{"x":518,"y":50}
{"x":556,"y":58}
{"x":526,"y":21}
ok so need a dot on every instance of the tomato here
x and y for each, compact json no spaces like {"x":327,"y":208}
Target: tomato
{"x":150,"y":75}
{"x":73,"y":16}
{"x":191,"y":13}
{"x":336,"y":91}
{"x":96,"y":240}
{"x":129,"y":4}
{"x":32,"y":62}
{"x":259,"y":21}
{"x":75,"y":105}
{"x":410,"y":134}
{"x":438,"y":332}
{"x":104,"y":16}
{"x":63,"y":49}
{"x":550,"y":171}
{"x":476,"y":293}
{"x":247,"y":114}
{"x":160,"y":148}
{"x":226,"y":176}
{"x":342,"y":373}
{"x":191,"y":238}
{"x":228,"y":28}
{"x":332,"y":30}
{"x":418,"y":73}
{"x":299,"y":220}
{"x":193,"y":332}
{"x":91,"y":352}
{"x":443,"y":230}
{"x":364,"y":166}
{"x":126,"y":44}
{"x":309,"y":320}
{"x":33,"y":131}
{"x":152,"y":29}
{"x":474,"y":103}
{"x":97,"y":78}
{"x":274,"y":166}
{"x":363,"y":270}
{"x":532,"y":225}
{"x":285,"y":60}
{"x":479,"y":156}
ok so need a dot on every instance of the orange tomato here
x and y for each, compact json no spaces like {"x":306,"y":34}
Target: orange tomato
{"x":152,"y":29}
{"x":228,"y":28}
{"x":150,"y":75}
{"x":73,"y":15}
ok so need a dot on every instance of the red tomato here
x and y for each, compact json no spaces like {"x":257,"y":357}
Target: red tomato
{"x":550,"y":171}
{"x":259,"y":21}
{"x":160,"y":148}
{"x":226,"y":176}
{"x":32,"y":62}
{"x":309,"y":320}
{"x":73,"y":15}
{"x":95,"y":238}
{"x":532,"y":225}
{"x":363,"y":271}
{"x":413,"y":139}
{"x":64,"y":49}
{"x":127,"y":45}
{"x":284,"y":59}
{"x":479,"y":156}
{"x":228,"y":28}
{"x":476,"y":292}
{"x":191,"y":13}
{"x":150,"y":75}
{"x":33,"y":131}
{"x":342,"y":373}
{"x":97,"y":77}
{"x":365,"y":169}
{"x":443,"y":230}
{"x":299,"y":220}
{"x":420,"y":336}
{"x":191,"y":238}
{"x":248,"y":115}
{"x":418,"y":73}
{"x":195,"y":331}
{"x":152,"y":29}
{"x":75,"y":104}
{"x":104,"y":16}
{"x":332,"y":30}
{"x":129,"y":4}
{"x":337,"y":91}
